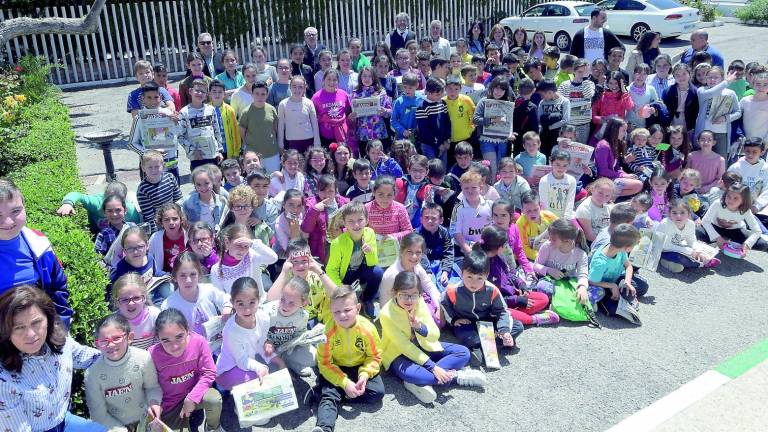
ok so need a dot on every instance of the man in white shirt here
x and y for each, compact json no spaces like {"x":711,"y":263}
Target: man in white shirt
{"x":398,"y":37}
{"x":440,"y":45}
{"x":594,"y":41}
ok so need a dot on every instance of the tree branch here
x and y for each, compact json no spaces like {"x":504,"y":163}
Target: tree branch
{"x":23,"y":26}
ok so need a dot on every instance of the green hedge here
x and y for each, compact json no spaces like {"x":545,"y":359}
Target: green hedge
{"x":754,"y":11}
{"x":45,"y":168}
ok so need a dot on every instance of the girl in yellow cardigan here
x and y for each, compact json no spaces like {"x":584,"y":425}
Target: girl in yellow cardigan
{"x":411,"y":348}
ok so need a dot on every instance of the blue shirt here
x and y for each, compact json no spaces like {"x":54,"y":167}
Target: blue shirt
{"x":15,"y":254}
{"x":717,"y":58}
{"x":527,"y":161}
{"x":134,"y":98}
{"x":605,"y":269}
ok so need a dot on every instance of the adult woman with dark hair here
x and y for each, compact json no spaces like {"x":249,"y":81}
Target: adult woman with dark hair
{"x":476,"y":38}
{"x":646,"y":51}
{"x":520,"y":39}
{"x":36,"y":363}
{"x":26,"y":256}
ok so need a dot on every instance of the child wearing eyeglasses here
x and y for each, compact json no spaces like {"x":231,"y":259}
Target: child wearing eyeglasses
{"x":121,"y":386}
{"x":129,"y":296}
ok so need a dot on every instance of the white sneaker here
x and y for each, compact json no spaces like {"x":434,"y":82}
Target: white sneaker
{"x":426,"y":394}
{"x":672,"y":266}
{"x":305,"y":372}
{"x":471,"y":378}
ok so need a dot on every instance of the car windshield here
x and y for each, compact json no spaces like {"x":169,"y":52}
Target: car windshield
{"x":664,"y":4}
{"x":584,"y":9}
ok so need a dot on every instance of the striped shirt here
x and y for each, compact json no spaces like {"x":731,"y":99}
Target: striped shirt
{"x":392,"y":220}
{"x":644,"y":157}
{"x":433,"y":125}
{"x":37,"y":398}
{"x":152,"y":195}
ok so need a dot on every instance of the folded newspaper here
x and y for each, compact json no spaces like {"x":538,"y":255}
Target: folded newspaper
{"x":259,"y":400}
{"x":647,"y":252}
{"x":315,"y":336}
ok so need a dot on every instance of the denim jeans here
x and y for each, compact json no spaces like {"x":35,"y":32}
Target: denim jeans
{"x":73,"y":423}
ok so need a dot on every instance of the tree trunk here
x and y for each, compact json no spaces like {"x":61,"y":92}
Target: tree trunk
{"x":23,"y":26}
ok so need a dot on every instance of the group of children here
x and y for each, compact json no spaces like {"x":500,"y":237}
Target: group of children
{"x":307,"y":214}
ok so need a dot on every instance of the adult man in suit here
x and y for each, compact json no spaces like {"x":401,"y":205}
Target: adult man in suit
{"x":401,"y":34}
{"x":311,"y":48}
{"x":212,"y":64}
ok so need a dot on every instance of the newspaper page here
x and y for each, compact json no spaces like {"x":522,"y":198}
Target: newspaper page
{"x":500,"y":113}
{"x":257,"y":400}
{"x":365,"y":107}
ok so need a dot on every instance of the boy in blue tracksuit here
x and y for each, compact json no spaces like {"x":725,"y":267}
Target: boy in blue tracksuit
{"x":26,"y":256}
{"x":438,"y":244}
{"x":404,"y":108}
{"x":433,"y":126}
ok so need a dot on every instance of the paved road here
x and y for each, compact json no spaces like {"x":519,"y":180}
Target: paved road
{"x":565,"y":378}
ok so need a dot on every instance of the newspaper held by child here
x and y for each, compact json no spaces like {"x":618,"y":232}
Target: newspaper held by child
{"x":259,"y":400}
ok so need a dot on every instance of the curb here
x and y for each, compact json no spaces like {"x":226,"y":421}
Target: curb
{"x":709,"y":24}
{"x":694,"y":390}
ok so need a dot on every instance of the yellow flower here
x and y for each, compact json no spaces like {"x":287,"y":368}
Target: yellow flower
{"x":10,"y":101}
{"x":20,"y":98}
{"x":7,"y":116}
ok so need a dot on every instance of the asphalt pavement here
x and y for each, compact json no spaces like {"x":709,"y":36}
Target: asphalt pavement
{"x":563,"y":378}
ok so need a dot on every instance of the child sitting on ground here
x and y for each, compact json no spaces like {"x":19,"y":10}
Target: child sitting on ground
{"x":414,"y":189}
{"x":557,"y":190}
{"x":679,"y":252}
{"x":299,"y":263}
{"x":362,"y":190}
{"x":533,"y":224}
{"x":411,"y":348}
{"x":349,"y":362}
{"x":475,"y":299}
{"x":610,"y":270}
{"x":353,"y":254}
{"x":511,"y":185}
{"x":471,"y":215}
{"x":438,"y":244}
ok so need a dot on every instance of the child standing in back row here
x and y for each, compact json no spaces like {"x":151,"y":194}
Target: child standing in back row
{"x":200,"y":130}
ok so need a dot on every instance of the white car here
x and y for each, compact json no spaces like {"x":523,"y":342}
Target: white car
{"x":635,"y":17}
{"x":559,"y":20}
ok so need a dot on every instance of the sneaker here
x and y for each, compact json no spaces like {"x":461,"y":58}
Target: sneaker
{"x":476,"y":358}
{"x":714,"y":262}
{"x":426,"y":394}
{"x":671,"y":266}
{"x":305,"y":372}
{"x":546,"y":317}
{"x":317,"y":429}
{"x":471,"y":378}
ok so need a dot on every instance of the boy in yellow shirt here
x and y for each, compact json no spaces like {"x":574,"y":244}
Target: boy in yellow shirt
{"x":461,"y":109}
{"x":349,"y":362}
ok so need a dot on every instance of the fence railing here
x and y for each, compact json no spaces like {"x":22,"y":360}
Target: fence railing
{"x":165,"y":31}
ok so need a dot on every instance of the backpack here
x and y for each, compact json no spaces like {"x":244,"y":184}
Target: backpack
{"x":565,"y":303}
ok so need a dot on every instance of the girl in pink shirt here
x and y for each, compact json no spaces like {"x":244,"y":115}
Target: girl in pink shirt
{"x":385,"y":215}
{"x":332,"y":105}
{"x":185,"y":371}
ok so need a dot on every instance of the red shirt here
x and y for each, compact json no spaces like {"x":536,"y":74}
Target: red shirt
{"x":171,"y":248}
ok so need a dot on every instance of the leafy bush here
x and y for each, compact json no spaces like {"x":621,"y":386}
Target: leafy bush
{"x":755,"y":10}
{"x":44,"y":166}
{"x":708,"y":11}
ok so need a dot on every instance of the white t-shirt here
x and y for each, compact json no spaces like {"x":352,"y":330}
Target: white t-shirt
{"x":558,"y":195}
{"x":210,"y":303}
{"x":594,"y":44}
{"x":598,"y":217}
{"x":755,"y":115}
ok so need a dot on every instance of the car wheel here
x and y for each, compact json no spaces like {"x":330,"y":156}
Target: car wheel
{"x":638,"y":30}
{"x":563,"y":41}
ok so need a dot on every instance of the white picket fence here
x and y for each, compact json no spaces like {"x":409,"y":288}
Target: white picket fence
{"x":128,"y":31}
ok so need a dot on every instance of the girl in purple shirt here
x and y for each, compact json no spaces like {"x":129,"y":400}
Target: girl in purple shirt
{"x":607,"y":153}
